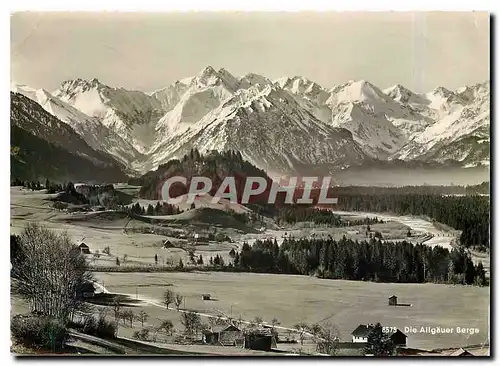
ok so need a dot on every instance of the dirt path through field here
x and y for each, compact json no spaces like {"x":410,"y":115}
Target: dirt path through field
{"x":438,"y":237}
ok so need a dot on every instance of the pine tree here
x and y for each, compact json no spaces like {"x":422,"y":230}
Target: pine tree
{"x":158,"y":209}
{"x":70,"y":188}
{"x":480,"y":274}
{"x":150,"y":211}
{"x":470,"y":271}
{"x":379,"y":343}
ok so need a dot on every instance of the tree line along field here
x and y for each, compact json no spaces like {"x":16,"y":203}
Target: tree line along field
{"x":295,"y":299}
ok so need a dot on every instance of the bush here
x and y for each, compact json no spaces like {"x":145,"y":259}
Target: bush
{"x":142,"y":335}
{"x":105,"y":328}
{"x":89,"y":325}
{"x":220,"y":237}
{"x":60,"y":205}
{"x":42,"y":332}
{"x":100,"y":328}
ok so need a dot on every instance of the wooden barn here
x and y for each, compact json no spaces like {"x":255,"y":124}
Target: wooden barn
{"x":84,"y":248}
{"x":225,"y":335}
{"x":259,"y":339}
{"x":398,"y":338}
{"x":393,"y":300}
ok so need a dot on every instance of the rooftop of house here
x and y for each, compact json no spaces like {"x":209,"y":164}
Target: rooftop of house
{"x":260,"y":331}
{"x":222,"y":328}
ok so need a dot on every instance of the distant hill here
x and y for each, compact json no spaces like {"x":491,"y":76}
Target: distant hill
{"x":215,"y":165}
{"x":44,"y":147}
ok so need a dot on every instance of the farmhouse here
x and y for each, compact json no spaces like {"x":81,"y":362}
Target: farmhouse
{"x":360,"y":335}
{"x":84,"y":248}
{"x":225,"y":335}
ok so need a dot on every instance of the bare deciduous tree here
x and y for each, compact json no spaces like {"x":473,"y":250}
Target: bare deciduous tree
{"x":52,"y":272}
{"x":220,"y":321}
{"x":239,"y":322}
{"x":116,"y":309}
{"x":143,"y":316}
{"x":166,"y":326}
{"x":301,"y":328}
{"x":275,"y":322}
{"x":327,"y":339}
{"x":191,"y":322}
{"x":123,"y":316}
{"x":142,"y":335}
{"x":168,"y":297}
{"x":315,"y":330}
{"x":178,"y":300}
{"x":258,"y":320}
{"x":129,"y":315}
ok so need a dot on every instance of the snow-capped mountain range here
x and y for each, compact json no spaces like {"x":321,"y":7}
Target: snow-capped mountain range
{"x":281,"y":126}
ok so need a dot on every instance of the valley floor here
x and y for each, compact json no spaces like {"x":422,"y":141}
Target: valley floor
{"x":292,"y":299}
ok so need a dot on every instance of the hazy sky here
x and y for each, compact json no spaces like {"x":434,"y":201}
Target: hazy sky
{"x":148,"y":51}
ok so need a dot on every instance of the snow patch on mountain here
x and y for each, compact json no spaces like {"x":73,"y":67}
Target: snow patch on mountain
{"x":269,"y":128}
{"x":204,"y":93}
{"x":279,"y":126}
{"x":464,"y":113}
{"x":119,"y":109}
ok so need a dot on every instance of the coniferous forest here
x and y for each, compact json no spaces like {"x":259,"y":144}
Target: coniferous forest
{"x":373,"y":260}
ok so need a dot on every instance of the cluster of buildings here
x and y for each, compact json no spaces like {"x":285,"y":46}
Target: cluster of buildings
{"x":264,"y":339}
{"x":261,"y":339}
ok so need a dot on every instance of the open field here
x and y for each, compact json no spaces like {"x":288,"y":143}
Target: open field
{"x":100,"y":230}
{"x":441,"y":237}
{"x":291,"y":299}
{"x":294,"y":299}
{"x":106,"y":229}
